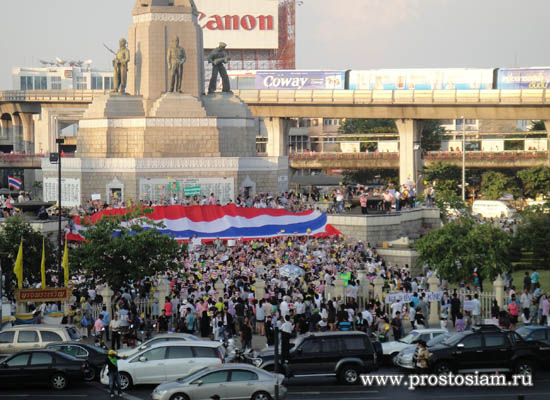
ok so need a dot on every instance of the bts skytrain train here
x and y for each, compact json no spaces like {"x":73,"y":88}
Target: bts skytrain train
{"x":393,"y":79}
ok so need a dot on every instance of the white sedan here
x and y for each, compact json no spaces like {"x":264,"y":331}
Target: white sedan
{"x":391,"y":349}
{"x":166,"y":361}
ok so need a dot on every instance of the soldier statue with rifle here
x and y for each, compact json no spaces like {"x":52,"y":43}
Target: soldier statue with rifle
{"x":217,"y":58}
{"x":120,"y":64}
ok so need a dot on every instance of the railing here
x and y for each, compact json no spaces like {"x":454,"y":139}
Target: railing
{"x":144,"y":306}
{"x":361,"y":97}
{"x":346,"y":97}
{"x":56,"y":96}
{"x":488,"y":155}
{"x":344,"y":156}
{"x":16,"y":158}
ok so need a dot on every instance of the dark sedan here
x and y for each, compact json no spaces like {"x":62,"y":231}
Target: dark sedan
{"x":42,"y":367}
{"x":540,"y":334}
{"x":95,"y":356}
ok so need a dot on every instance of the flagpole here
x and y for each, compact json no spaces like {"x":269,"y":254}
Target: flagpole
{"x":59,"y":243}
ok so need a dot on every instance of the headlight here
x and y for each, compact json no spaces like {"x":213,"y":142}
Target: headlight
{"x":257,"y":362}
{"x":159,"y":392}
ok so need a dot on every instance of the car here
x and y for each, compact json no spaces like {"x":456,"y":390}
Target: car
{"x":486,"y":348}
{"x":27,"y":337}
{"x":95,"y":356}
{"x":42,"y":367}
{"x":492,"y":209}
{"x":345,"y":355}
{"x":166,"y":361}
{"x":391,"y":349}
{"x":540,"y":334}
{"x":406,"y":358}
{"x":229,"y":381}
{"x":165,"y":337}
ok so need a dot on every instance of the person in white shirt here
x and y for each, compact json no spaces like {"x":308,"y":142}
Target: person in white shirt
{"x":396,"y":306}
{"x":476,"y":311}
{"x":284,"y":306}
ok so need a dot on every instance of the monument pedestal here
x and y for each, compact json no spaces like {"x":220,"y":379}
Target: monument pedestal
{"x":177,"y":105}
{"x":115,"y":105}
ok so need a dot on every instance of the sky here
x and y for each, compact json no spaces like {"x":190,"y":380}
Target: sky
{"x":343,"y":34}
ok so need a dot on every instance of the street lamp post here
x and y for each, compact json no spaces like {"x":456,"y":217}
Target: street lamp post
{"x":59,"y":231}
{"x":463,"y":159}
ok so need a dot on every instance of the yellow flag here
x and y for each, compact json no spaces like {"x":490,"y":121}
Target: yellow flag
{"x":43,"y":264}
{"x":18,"y":267}
{"x":65,"y":263}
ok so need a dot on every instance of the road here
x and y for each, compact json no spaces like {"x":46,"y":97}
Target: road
{"x":314,"y":389}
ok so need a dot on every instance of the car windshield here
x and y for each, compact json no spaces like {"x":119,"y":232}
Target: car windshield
{"x":454,"y":339}
{"x":193,"y":375}
{"x":438,"y":339}
{"x":523,"y":331}
{"x":73,"y":333}
{"x":98,"y":349}
{"x":410,"y":337}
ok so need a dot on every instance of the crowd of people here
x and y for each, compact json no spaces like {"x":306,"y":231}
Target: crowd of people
{"x":297,"y":302}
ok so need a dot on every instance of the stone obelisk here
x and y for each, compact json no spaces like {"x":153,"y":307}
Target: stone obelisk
{"x":155,"y":25}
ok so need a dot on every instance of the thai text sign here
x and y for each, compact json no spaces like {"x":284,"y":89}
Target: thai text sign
{"x":42,"y":295}
{"x":407,"y":297}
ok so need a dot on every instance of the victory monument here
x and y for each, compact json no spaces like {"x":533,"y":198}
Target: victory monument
{"x":158,"y":133}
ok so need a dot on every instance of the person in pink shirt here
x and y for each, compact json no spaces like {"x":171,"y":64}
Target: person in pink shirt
{"x":212,"y":200}
{"x":98,"y":327}
{"x":168,"y":310}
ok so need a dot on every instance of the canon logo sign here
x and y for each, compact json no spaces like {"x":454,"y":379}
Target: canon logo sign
{"x":236,"y":22}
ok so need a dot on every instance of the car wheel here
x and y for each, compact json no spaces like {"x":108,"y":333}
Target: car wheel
{"x":349,"y":375}
{"x":179,"y":396}
{"x":524,"y":367}
{"x":125,"y":381}
{"x":59,"y":381}
{"x":442,"y":368}
{"x":90,"y":374}
{"x":261,"y":396}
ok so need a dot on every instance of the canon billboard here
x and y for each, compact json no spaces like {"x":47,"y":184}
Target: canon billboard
{"x":242,"y":24}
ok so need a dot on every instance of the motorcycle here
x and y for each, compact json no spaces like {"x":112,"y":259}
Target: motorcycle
{"x":244,"y":357}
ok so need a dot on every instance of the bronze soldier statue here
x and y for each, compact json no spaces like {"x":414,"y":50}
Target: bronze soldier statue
{"x":120,"y":64}
{"x":217,"y":58}
{"x":176,"y":58}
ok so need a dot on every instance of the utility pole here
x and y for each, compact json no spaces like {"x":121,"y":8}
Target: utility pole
{"x":276,"y":360}
{"x":463,"y":159}
{"x":59,"y":230}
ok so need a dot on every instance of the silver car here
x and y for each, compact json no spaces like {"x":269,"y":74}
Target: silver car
{"x":229,"y":381}
{"x":166,"y":337}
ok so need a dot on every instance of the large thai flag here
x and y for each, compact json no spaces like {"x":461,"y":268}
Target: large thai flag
{"x":225,"y":222}
{"x":15,"y":183}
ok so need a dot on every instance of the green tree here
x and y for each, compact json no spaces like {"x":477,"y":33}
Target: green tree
{"x":450,"y":204}
{"x":359,"y":125}
{"x":494,"y":185}
{"x":432,"y":133}
{"x":11,"y":233}
{"x":459,"y":247}
{"x":535,"y":181}
{"x":118,"y":249}
{"x":447,"y":177}
{"x":537,"y":126}
{"x":533,"y":234}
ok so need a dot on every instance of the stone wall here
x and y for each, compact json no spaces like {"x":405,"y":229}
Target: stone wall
{"x":377,"y":229}
{"x":261,"y":174}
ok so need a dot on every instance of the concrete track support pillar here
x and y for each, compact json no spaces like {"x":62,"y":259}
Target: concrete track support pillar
{"x":410,"y":151}
{"x":277,"y":136}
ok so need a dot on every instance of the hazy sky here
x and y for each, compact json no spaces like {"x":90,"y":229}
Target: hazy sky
{"x":343,"y":34}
